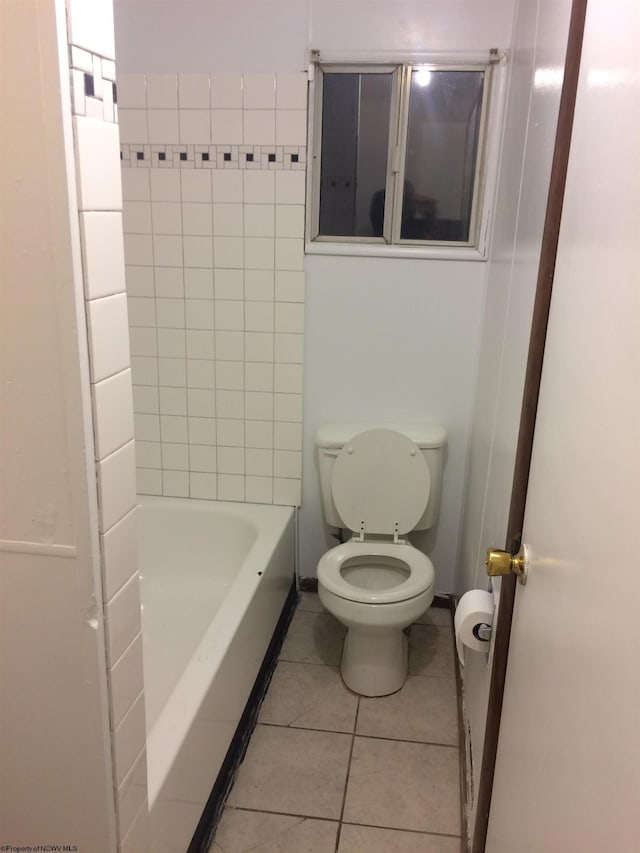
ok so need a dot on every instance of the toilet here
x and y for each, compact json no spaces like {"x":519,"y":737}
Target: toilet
{"x":379,"y":482}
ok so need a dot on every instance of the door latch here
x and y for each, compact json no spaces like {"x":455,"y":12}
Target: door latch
{"x":503,"y":563}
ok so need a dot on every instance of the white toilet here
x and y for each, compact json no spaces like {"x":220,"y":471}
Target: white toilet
{"x":379,"y":482}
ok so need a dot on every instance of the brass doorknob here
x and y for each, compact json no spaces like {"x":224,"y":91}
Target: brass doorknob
{"x":503,"y":563}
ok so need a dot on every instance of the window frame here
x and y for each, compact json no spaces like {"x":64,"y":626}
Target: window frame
{"x":391,"y":244}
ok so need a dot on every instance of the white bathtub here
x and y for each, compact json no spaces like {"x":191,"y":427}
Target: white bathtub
{"x":214,"y":579}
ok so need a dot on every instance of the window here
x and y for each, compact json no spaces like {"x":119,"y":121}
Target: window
{"x":398,"y":154}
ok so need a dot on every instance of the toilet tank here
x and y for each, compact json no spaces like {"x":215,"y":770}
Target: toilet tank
{"x":430,"y":439}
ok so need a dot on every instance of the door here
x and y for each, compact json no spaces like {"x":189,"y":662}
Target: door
{"x":567,"y":774}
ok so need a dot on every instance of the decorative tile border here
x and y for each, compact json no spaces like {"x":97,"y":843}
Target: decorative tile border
{"x":93,"y":85}
{"x":278,"y":157}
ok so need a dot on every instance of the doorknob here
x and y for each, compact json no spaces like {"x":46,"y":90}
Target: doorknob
{"x":503,"y":563}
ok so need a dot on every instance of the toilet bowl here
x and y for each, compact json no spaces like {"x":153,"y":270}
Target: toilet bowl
{"x":377,"y":584}
{"x":376,"y":589}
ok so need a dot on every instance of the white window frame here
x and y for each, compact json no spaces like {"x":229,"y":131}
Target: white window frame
{"x":486,"y":167}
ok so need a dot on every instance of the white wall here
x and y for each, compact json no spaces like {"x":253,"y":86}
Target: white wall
{"x":56,"y":783}
{"x":532,"y":107}
{"x":415,"y":356}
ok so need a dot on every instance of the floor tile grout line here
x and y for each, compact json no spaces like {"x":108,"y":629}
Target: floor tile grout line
{"x":346,"y":781}
{"x":346,"y":822}
{"x":355,"y":734}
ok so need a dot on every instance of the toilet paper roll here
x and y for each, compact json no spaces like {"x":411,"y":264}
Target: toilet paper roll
{"x":474,"y":609}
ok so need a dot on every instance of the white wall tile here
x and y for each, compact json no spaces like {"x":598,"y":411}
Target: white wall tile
{"x":200,"y":314}
{"x":139,"y":283}
{"x":174,"y":429}
{"x":136,"y":184}
{"x":258,"y":376}
{"x":119,"y":548}
{"x":287,"y":407}
{"x":226,"y":127}
{"x":138,"y":248}
{"x":289,"y":254}
{"x":172,"y":343}
{"x":258,"y":346}
{"x":170,"y":313}
{"x":230,"y":487}
{"x":197,"y":219}
{"x":229,"y":284}
{"x":162,"y":91}
{"x":123,"y":619}
{"x":289,"y":220}
{"x":201,"y":403}
{"x":204,"y":458}
{"x":259,"y":316}
{"x":172,"y":372}
{"x":166,"y":217}
{"x":132,"y":92}
{"x":142,"y":341}
{"x":98,"y":164}
{"x":258,"y":285}
{"x":196,"y":185}
{"x":144,"y":370}
{"x":227,"y":186}
{"x":260,"y":187}
{"x":136,"y":218}
{"x":173,"y":401}
{"x":230,"y":460}
{"x":108,"y":336}
{"x":132,"y":794}
{"x":229,"y":345}
{"x":138,"y":839}
{"x":259,"y":220}
{"x":126,"y":680}
{"x":290,"y":187}
{"x":91,"y":26}
{"x":200,"y":344}
{"x":169,"y":283}
{"x":145,"y":402}
{"x":202,"y":431}
{"x":129,"y":739}
{"x":195,"y":127}
{"x":259,"y":434}
{"x":291,"y":91}
{"x":291,"y":127}
{"x":148,"y":454}
{"x":289,"y":286}
{"x":149,"y":482}
{"x":287,"y":436}
{"x":203,"y":485}
{"x":194,"y":91}
{"x":289,"y":317}
{"x":142,"y":311}
{"x":198,"y":283}
{"x":288,"y":378}
{"x":175,"y":484}
{"x":289,"y":348}
{"x":259,"y":127}
{"x":198,"y":252}
{"x":167,"y":250}
{"x":117,"y":486}
{"x":113,"y":413}
{"x":226,"y":91}
{"x":229,"y":252}
{"x":201,"y":373}
{"x":133,"y":126}
{"x":147,"y":427}
{"x":164,"y":184}
{"x":258,"y":91}
{"x":259,"y":405}
{"x":286,"y":492}
{"x":259,"y":462}
{"x":102,"y":254}
{"x":230,"y":404}
{"x":163,"y":126}
{"x":175,"y":457}
{"x":258,"y":489}
{"x":229,"y":375}
{"x":259,"y":252}
{"x":228,"y":220}
{"x":230,"y":432}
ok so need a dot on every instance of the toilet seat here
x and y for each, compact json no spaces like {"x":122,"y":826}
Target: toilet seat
{"x":421,"y":574}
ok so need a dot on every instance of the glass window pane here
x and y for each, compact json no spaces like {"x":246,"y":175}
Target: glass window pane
{"x":442,"y":148}
{"x":355,"y":142}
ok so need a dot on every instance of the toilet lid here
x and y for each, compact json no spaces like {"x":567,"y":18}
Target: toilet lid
{"x":380,"y":478}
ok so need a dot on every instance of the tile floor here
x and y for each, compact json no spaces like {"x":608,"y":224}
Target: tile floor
{"x":328,"y":771}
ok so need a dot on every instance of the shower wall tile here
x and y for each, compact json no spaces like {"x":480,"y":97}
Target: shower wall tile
{"x":102,"y":254}
{"x":113,"y":413}
{"x":132,"y":794}
{"x":119,"y":555}
{"x":214,"y":193}
{"x":126,"y":680}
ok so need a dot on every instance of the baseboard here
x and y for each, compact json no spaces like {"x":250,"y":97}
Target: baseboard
{"x":203,"y":836}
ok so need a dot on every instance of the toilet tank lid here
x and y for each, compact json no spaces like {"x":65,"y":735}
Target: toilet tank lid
{"x":424,"y":436}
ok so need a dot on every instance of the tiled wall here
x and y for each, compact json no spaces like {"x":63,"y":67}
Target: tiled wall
{"x":213,"y":174}
{"x":92,"y":70}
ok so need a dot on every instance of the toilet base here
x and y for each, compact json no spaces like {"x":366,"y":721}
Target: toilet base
{"x":375,"y":663}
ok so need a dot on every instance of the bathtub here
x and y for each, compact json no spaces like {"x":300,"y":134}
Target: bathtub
{"x":214,"y":580}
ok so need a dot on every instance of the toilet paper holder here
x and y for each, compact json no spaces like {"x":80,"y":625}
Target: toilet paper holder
{"x":483,"y":632}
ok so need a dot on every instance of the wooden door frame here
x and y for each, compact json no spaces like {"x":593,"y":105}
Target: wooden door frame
{"x":544,"y":284}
